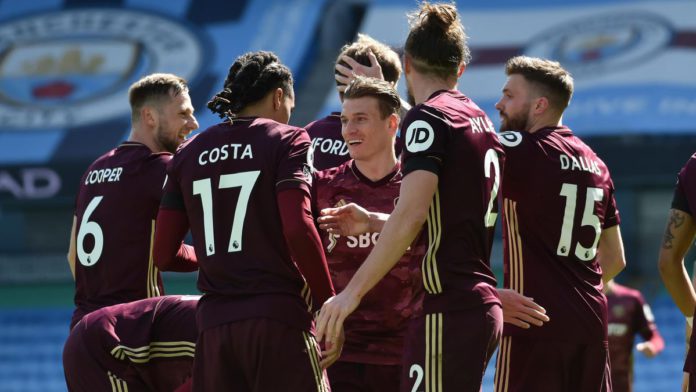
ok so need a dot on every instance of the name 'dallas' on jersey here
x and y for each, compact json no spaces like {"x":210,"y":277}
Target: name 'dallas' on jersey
{"x":558,"y":196}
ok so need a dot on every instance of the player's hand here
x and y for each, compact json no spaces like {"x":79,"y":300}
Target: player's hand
{"x":344,"y":75}
{"x":521,"y":311}
{"x":350,"y":219}
{"x":331,"y":317}
{"x":647,"y":349}
{"x":332,"y":352}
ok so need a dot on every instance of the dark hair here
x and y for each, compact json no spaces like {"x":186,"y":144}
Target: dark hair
{"x":153,"y":89}
{"x":362,"y":86}
{"x":252,"y":76}
{"x":548,"y":77}
{"x":387,"y":58}
{"x":436,"y":42}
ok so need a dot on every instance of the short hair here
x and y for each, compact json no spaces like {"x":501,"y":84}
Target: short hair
{"x":549,"y":77}
{"x":383,"y":91}
{"x":250,"y":78}
{"x":153,"y":89}
{"x":437,"y":43}
{"x":387,"y":58}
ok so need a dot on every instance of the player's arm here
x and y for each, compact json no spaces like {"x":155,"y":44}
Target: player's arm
{"x":402,"y":227}
{"x":72,"y":248}
{"x":351,"y":219}
{"x":678,"y":237}
{"x":611,"y":253}
{"x":169,"y":252}
{"x":304,"y":242}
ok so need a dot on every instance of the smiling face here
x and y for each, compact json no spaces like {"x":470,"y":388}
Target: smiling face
{"x":515,"y":104}
{"x":366,"y":133}
{"x":175,"y":121}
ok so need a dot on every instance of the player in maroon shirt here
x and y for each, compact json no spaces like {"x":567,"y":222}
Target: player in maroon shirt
{"x":371,"y":357}
{"x":329,"y":148}
{"x":119,"y":196}
{"x":629,"y":315}
{"x":561,"y":237}
{"x":242,"y":186}
{"x":452,"y":161}
{"x":679,"y":235}
{"x":145,"y":345}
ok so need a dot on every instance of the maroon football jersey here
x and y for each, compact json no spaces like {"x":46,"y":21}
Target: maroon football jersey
{"x":328,"y":147}
{"x":451,"y":136}
{"x":116,"y":208}
{"x":629,"y":315}
{"x":557,"y":198}
{"x":226,"y":179}
{"x":376,"y":329}
{"x":685,"y":192}
{"x":154,"y":337}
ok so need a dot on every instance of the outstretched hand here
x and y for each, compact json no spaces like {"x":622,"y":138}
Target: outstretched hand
{"x":521,"y":311}
{"x":344,"y":75}
{"x":350,"y":219}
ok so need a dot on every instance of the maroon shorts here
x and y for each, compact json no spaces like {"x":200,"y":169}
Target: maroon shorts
{"x":257,"y":355}
{"x":88,"y":367}
{"x":450,"y":351}
{"x":547,"y":365}
{"x":362,"y":377}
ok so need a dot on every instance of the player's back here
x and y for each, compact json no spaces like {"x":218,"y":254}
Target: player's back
{"x":557,"y":198}
{"x":116,"y":208}
{"x":228,"y":177}
{"x":453,"y":130}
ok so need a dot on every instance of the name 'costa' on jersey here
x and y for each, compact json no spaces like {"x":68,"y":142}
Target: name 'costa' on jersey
{"x":226,"y":179}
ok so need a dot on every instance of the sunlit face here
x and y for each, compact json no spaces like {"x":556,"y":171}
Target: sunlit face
{"x":515,"y":104}
{"x":175,"y":121}
{"x":364,"y":130}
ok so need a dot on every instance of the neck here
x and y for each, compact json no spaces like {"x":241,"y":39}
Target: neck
{"x":378,"y":167}
{"x":145,"y":137}
{"x":545,"y":122}
{"x":424,"y":86}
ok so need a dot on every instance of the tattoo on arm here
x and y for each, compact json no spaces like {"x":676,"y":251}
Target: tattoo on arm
{"x":676,"y":219}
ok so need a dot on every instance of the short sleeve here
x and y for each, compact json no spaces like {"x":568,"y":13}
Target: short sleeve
{"x":294,"y":168}
{"x":645,"y":323}
{"x":685,"y":189}
{"x":424,"y":137}
{"x":172,"y":199}
{"x":611,"y":215}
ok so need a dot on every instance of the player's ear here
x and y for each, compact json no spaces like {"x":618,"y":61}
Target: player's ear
{"x":541,"y":105}
{"x":148,"y":115}
{"x":393,"y":122}
{"x":460,"y":70}
{"x":278,"y":96}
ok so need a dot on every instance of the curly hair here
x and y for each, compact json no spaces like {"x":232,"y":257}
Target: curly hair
{"x":250,"y":78}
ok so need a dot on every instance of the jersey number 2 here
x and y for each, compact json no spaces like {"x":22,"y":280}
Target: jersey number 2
{"x":491,"y":159}
{"x":203,"y":188}
{"x":570,"y":192}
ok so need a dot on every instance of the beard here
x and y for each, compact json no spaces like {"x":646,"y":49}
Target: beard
{"x":514,"y":123}
{"x":169,"y":144}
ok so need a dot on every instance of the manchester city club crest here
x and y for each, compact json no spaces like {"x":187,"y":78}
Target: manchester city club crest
{"x":73,"y":67}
